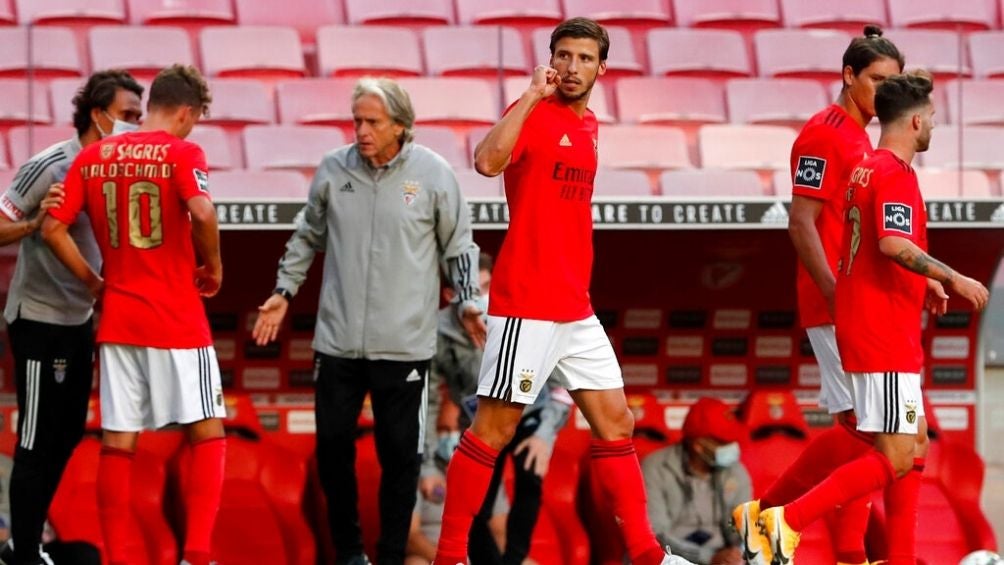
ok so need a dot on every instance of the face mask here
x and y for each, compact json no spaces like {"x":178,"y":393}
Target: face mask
{"x":726,"y":455}
{"x":482,"y":304}
{"x":118,"y":126}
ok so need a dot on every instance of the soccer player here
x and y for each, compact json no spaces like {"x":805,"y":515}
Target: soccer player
{"x":49,"y":314}
{"x":146,"y":194}
{"x":885,"y":281}
{"x":829,"y":146}
{"x":540,"y":316}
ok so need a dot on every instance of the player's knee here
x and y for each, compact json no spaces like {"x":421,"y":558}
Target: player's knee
{"x":617,"y":425}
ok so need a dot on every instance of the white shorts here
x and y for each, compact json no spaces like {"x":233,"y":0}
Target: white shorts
{"x":521,"y":354}
{"x":148,"y":388}
{"x":836,"y":393}
{"x":888,"y":403}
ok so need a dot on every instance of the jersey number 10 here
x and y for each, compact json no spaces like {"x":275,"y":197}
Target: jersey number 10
{"x":137,"y":191}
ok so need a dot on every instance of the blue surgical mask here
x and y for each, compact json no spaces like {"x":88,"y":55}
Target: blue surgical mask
{"x":118,"y":126}
{"x":727,"y":455}
{"x":482,"y":304}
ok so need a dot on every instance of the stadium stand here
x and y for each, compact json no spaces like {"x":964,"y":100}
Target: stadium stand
{"x":745,"y":147}
{"x":7,"y":15}
{"x":189,"y":14}
{"x":25,"y":141}
{"x":70,"y":12}
{"x":711,"y":183}
{"x":24,"y":102}
{"x":50,"y":57}
{"x":474,"y":185}
{"x":794,"y":53}
{"x":415,"y":12}
{"x":942,"y":53}
{"x":470,"y":101}
{"x":698,"y":52}
{"x":213,"y":140}
{"x":671,"y":101}
{"x":521,"y":13}
{"x":978,"y":146}
{"x":315,"y":101}
{"x":975,"y":102}
{"x":984,"y":52}
{"x":259,"y":184}
{"x":938,"y":184}
{"x":142,"y":51}
{"x":938,"y":14}
{"x":787,"y":102}
{"x":365,"y":50}
{"x":613,"y":12}
{"x":5,"y":163}
{"x":478,"y":51}
{"x":850,"y":15}
{"x":265,"y":53}
{"x":652,"y":148}
{"x":306,"y":16}
{"x":614,"y":182}
{"x":443,"y":141}
{"x":739,"y":15}
{"x":289,"y":147}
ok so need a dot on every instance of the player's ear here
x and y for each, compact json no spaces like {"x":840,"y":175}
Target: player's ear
{"x":602,"y":69}
{"x":916,"y":122}
{"x":848,"y":76}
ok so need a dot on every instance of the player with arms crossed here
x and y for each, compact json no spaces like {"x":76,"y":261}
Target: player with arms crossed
{"x":540,"y":316}
{"x":885,"y":279}
{"x":827,"y":149}
{"x":147,"y":196}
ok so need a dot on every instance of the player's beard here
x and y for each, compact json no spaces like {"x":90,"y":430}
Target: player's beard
{"x":576,"y":97}
{"x":924,"y":143}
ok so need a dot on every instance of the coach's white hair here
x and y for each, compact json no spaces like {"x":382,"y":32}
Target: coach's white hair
{"x":395,"y":99}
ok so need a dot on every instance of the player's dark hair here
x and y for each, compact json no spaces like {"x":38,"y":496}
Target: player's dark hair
{"x":180,"y":85}
{"x":899,"y":94}
{"x":865,"y":50}
{"x":582,"y":28}
{"x":99,"y":92}
{"x":485,"y":262}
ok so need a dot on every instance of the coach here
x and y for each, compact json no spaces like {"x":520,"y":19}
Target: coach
{"x":386,"y":212}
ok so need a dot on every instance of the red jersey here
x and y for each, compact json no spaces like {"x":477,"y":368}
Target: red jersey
{"x":134,"y":187}
{"x":879,"y":302}
{"x":829,"y":146}
{"x":546,"y":260}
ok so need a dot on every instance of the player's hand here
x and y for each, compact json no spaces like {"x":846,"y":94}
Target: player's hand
{"x":474,"y":325}
{"x":936,"y":301}
{"x":433,"y":488}
{"x":54,"y":197}
{"x":970,"y":289}
{"x":208,"y":281}
{"x":270,"y":315}
{"x":546,"y":80}
{"x":538,"y":455}
{"x":96,"y":286}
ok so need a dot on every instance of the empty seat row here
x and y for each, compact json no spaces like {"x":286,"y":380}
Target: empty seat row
{"x":268,"y":51}
{"x":973,"y":15}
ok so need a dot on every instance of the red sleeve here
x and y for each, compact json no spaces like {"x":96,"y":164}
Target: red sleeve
{"x":192,"y":172}
{"x":898,"y":206}
{"x":73,"y":186}
{"x":817,"y":167}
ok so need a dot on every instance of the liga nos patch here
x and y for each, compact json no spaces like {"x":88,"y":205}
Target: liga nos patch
{"x":810,"y":171}
{"x":898,"y":217}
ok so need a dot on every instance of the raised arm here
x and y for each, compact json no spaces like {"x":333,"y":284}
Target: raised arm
{"x":494,"y":153}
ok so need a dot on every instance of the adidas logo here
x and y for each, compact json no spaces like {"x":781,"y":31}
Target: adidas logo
{"x":413,"y":376}
{"x":565,"y":142}
{"x":776,"y":214}
{"x":998,"y":216}
{"x":347,"y":187}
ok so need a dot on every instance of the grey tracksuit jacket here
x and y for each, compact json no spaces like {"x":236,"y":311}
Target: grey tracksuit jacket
{"x":385,"y":232}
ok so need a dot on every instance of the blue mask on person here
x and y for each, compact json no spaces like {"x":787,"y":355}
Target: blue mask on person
{"x":727,"y":455}
{"x":482,"y":304}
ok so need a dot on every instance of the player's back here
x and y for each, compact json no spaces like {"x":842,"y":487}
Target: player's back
{"x":135,"y":189}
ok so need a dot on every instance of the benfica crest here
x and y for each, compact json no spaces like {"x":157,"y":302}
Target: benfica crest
{"x":410,"y":190}
{"x":107,"y":150}
{"x":59,"y":370}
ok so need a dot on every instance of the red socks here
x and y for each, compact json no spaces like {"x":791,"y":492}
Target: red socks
{"x":848,"y":530}
{"x":114,"y":510}
{"x":831,"y":449}
{"x":467,"y":480}
{"x":855,"y":479}
{"x":615,"y":467}
{"x":202,"y":497}
{"x":901,"y":499}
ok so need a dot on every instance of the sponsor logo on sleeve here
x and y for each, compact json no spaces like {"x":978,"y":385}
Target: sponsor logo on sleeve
{"x":898,"y":217}
{"x":201,"y":180}
{"x":10,"y":209}
{"x":810,"y":171}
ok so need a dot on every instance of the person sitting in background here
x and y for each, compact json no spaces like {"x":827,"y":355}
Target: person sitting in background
{"x":692,"y":485}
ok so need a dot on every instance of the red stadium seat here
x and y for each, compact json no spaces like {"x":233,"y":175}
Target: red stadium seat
{"x":213,"y":141}
{"x":952,"y":183}
{"x":984,"y":50}
{"x":746,"y":147}
{"x":238,"y":102}
{"x":675,"y":101}
{"x":25,"y":141}
{"x":7,"y":15}
{"x":643,"y":147}
{"x":190,"y":14}
{"x":475,"y":185}
{"x":70,"y":12}
{"x":787,"y":102}
{"x":615,"y":182}
{"x":516,"y":86}
{"x":265,"y":53}
{"x":289,"y":147}
{"x":443,"y":141}
{"x":937,"y":14}
{"x":457,"y":102}
{"x":711,"y":182}
{"x":978,"y":100}
{"x":616,"y":12}
{"x":394,"y":12}
{"x":850,"y":15}
{"x":5,"y":164}
{"x":520,"y":13}
{"x":368,"y":50}
{"x":814,"y":54}
{"x":143,"y":51}
{"x":622,"y":60}
{"x":474,"y":51}
{"x":939,"y":52}
{"x":6,"y":178}
{"x":316,"y":101}
{"x":306,"y":16}
{"x":53,"y":53}
{"x":742,"y":15}
{"x":239,"y":185}
{"x":980,"y":148}
{"x":706,"y":53}
{"x":23,"y":102}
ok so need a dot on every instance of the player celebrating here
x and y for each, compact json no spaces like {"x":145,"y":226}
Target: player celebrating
{"x":540,"y":316}
{"x":49,"y":314}
{"x":146,"y":194}
{"x":885,"y":280}
{"x":829,"y":146}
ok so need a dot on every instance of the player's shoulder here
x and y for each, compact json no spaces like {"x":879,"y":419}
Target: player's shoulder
{"x":426,"y":158}
{"x":54,"y":154}
{"x":831,"y":125}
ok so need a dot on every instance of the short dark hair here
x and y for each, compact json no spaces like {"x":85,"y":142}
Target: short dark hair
{"x":899,"y":94}
{"x":870,"y":47}
{"x":180,"y":85}
{"x":485,"y":262}
{"x":99,"y":92}
{"x":582,"y":28}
